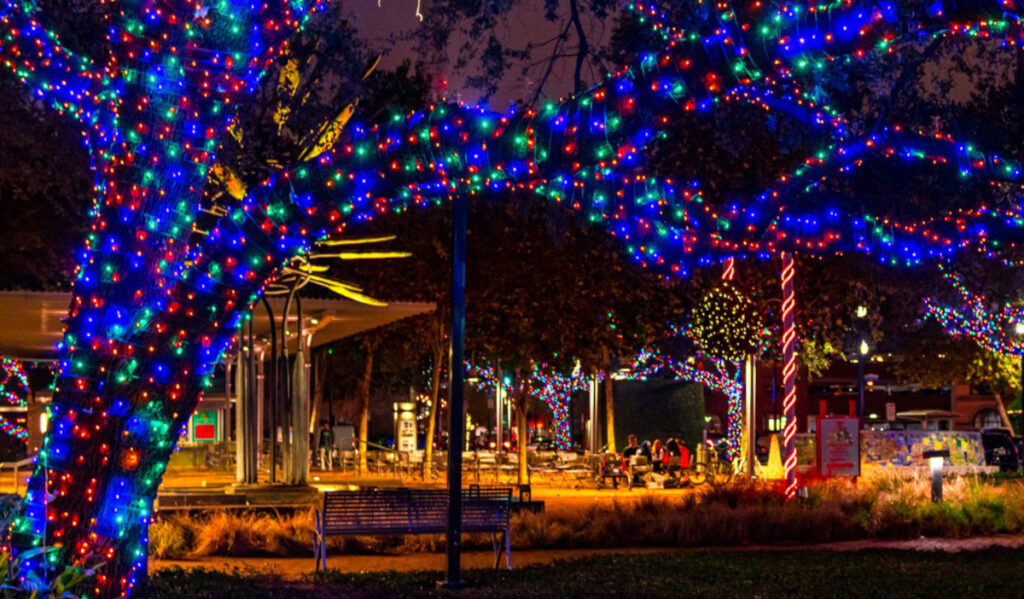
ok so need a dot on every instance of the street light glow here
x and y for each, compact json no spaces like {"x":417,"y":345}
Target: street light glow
{"x":1019,"y":328}
{"x":863,"y":347}
{"x":862,"y":311}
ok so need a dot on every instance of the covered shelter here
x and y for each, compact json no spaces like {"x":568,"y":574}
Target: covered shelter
{"x":32,"y":325}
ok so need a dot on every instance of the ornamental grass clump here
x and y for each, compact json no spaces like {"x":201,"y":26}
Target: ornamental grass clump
{"x":880,"y":505}
{"x":230,"y":534}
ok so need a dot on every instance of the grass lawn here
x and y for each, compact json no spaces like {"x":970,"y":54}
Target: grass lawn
{"x":991,"y":573}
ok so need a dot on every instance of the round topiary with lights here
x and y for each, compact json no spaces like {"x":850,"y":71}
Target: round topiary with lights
{"x":726,"y":324}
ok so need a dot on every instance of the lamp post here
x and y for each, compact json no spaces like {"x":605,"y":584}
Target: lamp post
{"x":936,"y":459}
{"x":1019,"y":329}
{"x":456,"y":410}
{"x":863,"y":349}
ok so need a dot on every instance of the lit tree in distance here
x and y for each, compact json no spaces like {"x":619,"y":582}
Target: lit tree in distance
{"x":546,"y":385}
{"x":198,"y":208}
{"x":14,"y":390}
{"x":1000,"y":332}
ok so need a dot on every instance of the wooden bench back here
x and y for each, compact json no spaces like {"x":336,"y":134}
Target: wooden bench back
{"x":411,"y":511}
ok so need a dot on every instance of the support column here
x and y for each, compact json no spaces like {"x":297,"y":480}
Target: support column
{"x":750,"y":413}
{"x":789,"y":372}
{"x":499,"y":415}
{"x":241,"y":419}
{"x":298,"y":454}
{"x":247,"y":429}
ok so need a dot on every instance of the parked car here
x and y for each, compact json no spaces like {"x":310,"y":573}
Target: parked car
{"x":1000,"y":450}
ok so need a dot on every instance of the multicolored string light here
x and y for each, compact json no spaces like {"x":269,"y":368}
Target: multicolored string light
{"x":723,"y":378}
{"x":184,"y":237}
{"x":995,"y":331}
{"x":14,"y":389}
{"x":546,"y":385}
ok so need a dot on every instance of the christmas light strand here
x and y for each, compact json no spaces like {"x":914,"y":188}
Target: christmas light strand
{"x":994,"y":331}
{"x":184,"y":239}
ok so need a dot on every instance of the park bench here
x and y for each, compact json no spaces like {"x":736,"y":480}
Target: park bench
{"x":402,"y":511}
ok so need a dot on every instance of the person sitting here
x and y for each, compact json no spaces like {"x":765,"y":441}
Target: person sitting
{"x":684,"y":457}
{"x":633,"y":447}
{"x":645,"y":450}
{"x":659,"y":456}
{"x":672,"y":447}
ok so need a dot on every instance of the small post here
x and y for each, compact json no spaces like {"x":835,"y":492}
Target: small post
{"x":457,"y":371}
{"x":936,"y":459}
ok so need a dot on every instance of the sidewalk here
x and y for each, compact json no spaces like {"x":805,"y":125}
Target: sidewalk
{"x":294,"y":568}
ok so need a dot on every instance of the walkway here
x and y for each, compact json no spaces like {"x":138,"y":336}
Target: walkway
{"x":294,"y":568}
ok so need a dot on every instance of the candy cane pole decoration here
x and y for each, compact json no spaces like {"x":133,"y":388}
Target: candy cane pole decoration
{"x":730,"y":269}
{"x":789,"y":372}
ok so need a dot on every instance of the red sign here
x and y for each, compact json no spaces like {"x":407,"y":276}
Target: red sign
{"x":205,"y":432}
{"x":839,"y":446}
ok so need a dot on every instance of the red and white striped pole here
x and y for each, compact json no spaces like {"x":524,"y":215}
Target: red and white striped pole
{"x":789,"y":372}
{"x":730,"y":269}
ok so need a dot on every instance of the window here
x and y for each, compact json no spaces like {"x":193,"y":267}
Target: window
{"x":987,"y":419}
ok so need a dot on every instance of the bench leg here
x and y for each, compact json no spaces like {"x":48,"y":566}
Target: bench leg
{"x":497,"y":551}
{"x":316,"y":553}
{"x":508,"y":549}
{"x":322,"y":541}
{"x":316,"y":544}
{"x":323,"y":551}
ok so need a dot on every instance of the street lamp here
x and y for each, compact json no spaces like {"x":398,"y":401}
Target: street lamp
{"x":1019,"y":329}
{"x":863,"y":348}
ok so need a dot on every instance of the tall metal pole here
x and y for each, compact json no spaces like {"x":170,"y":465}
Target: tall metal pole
{"x":1020,"y":431}
{"x":860,"y":388}
{"x":499,"y":413}
{"x":456,"y":369}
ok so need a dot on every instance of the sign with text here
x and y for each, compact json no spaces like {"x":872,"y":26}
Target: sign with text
{"x":204,"y":426}
{"x":405,"y":426}
{"x":839,"y":446}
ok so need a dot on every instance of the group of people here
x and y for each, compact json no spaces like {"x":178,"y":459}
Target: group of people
{"x":658,"y":455}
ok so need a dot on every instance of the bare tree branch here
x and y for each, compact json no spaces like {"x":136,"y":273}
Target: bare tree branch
{"x":584,"y":48}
